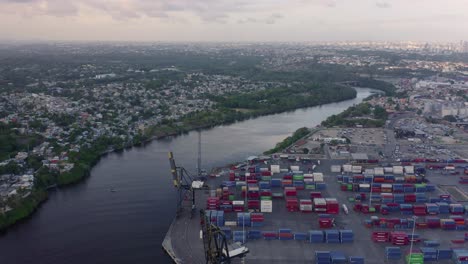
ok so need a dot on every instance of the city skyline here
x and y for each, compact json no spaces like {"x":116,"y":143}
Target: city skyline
{"x":209,"y":20}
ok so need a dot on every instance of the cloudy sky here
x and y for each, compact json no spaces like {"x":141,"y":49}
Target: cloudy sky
{"x":234,"y":20}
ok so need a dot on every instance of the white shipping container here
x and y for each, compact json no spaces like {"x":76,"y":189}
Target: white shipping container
{"x":305,"y":207}
{"x":450,"y":167}
{"x":364,"y":185}
{"x":297,"y":172}
{"x":318,"y":177}
{"x":356,"y":169}
{"x":283,"y":156}
{"x":294,"y":168}
{"x":247,"y":174}
{"x":409,"y":169}
{"x":379,"y":171}
{"x":335,"y":168}
{"x":283,"y":170}
{"x":266,"y":206}
{"x":386,"y":185}
{"x":347,"y":168}
{"x":308,"y":175}
{"x":230,"y":223}
{"x":369,"y":171}
{"x":398,"y":169}
{"x":388,"y":169}
{"x":237,"y":202}
{"x":263,"y":169}
{"x":275,"y":168}
{"x":320,"y":201}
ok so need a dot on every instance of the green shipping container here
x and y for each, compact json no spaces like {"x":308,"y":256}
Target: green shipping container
{"x":265,"y":198}
{"x":266,"y":178}
{"x":310,"y":186}
{"x":231,"y":197}
{"x":349,"y":187}
{"x":298,"y":177}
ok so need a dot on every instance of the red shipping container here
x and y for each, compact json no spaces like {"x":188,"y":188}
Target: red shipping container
{"x":315,"y":195}
{"x":333,"y":206}
{"x":290,"y":191}
{"x":325,"y":223}
{"x":266,"y":173}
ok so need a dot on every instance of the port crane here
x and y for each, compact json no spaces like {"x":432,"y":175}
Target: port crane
{"x":215,"y":244}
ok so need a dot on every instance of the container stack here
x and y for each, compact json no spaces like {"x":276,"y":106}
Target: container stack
{"x":212,"y":203}
{"x":433,"y":222}
{"x":243,"y":219}
{"x":346,"y":236}
{"x":292,"y":204}
{"x":399,"y":238}
{"x":333,"y":206}
{"x":444,"y":208}
{"x":305,"y":206}
{"x":457,"y":209}
{"x":285,"y":234}
{"x":431,"y":243}
{"x":254,"y":234}
{"x":415,"y":257}
{"x":320,"y":205}
{"x":275,"y":183}
{"x":356,"y":260}
{"x":380,"y":236}
{"x":322,"y":257}
{"x":419,"y":209}
{"x":393,"y":253}
{"x":253,"y":204}
{"x":238,"y":206}
{"x":226,"y":206}
{"x":432,"y":209}
{"x":443,"y":254}
{"x":227,"y":232}
{"x":325,"y":221}
{"x":448,"y":224}
{"x":332,"y":236}
{"x":421,"y":197}
{"x":337,"y":257}
{"x":460,"y":256}
{"x":429,"y":253}
{"x":220,"y":218}
{"x":239,"y":236}
{"x":300,"y":236}
{"x":316,"y":236}
{"x":270,"y":235}
{"x":406,"y":209}
{"x":256,"y":219}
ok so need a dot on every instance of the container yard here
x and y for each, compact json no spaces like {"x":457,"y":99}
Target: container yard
{"x":331,"y":211}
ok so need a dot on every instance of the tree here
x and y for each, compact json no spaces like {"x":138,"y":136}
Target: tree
{"x":450,"y":118}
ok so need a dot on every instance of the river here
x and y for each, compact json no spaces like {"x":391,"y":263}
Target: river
{"x":86,"y":223}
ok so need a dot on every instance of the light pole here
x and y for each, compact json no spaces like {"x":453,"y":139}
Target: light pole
{"x":370,"y":195}
{"x":412,"y":238}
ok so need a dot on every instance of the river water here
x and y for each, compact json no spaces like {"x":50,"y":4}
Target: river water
{"x":86,"y":223}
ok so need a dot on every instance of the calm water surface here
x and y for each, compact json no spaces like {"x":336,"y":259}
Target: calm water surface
{"x":87,"y":223}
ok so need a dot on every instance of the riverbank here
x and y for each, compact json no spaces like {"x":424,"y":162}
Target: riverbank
{"x":86,"y":159}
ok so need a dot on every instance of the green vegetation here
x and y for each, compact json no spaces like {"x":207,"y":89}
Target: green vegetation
{"x":11,"y":141}
{"x":361,"y":114}
{"x":277,"y":100}
{"x":22,"y":207}
{"x":450,"y":118}
{"x":300,"y":133}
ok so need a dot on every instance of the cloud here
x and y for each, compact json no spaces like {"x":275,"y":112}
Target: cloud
{"x":383,"y":5}
{"x":272,"y":19}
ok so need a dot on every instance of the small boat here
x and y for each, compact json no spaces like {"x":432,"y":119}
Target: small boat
{"x":112,"y":190}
